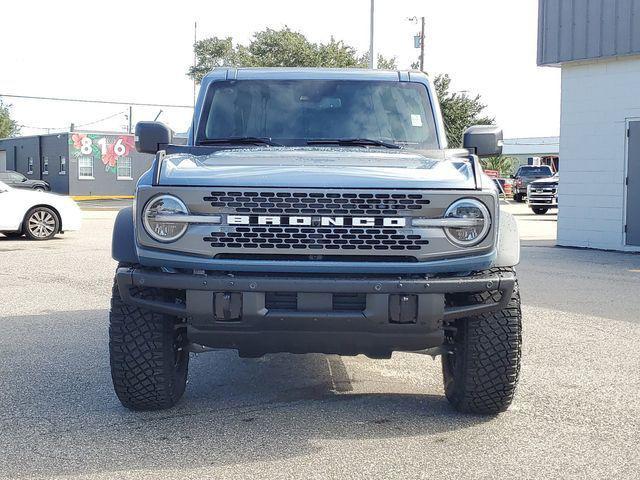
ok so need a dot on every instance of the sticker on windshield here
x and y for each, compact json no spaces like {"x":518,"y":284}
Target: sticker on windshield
{"x":416,"y":120}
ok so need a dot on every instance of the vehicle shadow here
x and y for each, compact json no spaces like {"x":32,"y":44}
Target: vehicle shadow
{"x":61,"y":417}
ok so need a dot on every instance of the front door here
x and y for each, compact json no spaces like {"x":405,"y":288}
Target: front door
{"x":633,"y":184}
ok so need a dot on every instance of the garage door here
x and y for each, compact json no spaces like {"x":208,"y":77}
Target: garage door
{"x":633,"y":184}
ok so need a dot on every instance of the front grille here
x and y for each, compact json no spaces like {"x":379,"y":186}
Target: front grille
{"x":315,"y":224}
{"x":306,"y":238}
{"x":316,"y":203}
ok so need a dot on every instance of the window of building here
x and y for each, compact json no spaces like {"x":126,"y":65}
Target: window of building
{"x":63,"y":165}
{"x":85,"y":168}
{"x":123,"y":166}
{"x":29,"y":165}
{"x":45,"y":165}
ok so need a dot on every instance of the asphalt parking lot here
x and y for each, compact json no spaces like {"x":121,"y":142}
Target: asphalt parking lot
{"x":576,"y":413}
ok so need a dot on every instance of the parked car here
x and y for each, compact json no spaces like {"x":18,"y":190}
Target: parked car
{"x":525,"y":175}
{"x":37,"y":215}
{"x":18,"y":180}
{"x":543,"y":194}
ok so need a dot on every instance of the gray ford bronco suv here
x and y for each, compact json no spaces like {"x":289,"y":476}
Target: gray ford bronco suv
{"x":316,"y":210}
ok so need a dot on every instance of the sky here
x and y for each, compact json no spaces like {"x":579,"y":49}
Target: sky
{"x":139,"y":51}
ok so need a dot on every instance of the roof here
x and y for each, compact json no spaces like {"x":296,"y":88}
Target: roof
{"x":287,"y":73}
{"x":531,"y":146}
{"x":571,"y":30}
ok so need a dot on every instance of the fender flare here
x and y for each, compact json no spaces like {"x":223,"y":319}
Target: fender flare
{"x":123,"y":242}
{"x":508,"y":254}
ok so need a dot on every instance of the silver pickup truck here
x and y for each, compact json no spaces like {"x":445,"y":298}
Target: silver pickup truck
{"x":316,"y":210}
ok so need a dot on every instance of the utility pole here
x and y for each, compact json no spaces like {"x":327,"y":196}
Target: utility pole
{"x":373,"y":61}
{"x":418,"y":40}
{"x":422,"y":45}
{"x":130,"y":129}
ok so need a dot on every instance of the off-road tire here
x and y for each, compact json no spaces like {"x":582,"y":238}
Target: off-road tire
{"x":539,"y":210}
{"x":149,"y":363}
{"x":481,"y":372}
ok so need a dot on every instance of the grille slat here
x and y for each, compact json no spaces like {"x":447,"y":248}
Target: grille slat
{"x":316,"y":203}
{"x":358,"y":238}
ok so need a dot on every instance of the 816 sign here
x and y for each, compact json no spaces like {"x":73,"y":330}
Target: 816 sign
{"x":86,"y":146}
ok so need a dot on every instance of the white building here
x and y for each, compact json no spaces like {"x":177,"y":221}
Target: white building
{"x":528,"y":150}
{"x":596,"y":43}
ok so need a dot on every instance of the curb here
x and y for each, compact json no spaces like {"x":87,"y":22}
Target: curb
{"x":80,"y":198}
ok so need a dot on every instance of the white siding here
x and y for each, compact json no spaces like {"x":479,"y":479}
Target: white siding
{"x":597,"y":99}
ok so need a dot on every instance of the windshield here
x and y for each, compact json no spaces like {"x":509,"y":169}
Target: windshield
{"x":531,"y":171}
{"x":294,"y":112}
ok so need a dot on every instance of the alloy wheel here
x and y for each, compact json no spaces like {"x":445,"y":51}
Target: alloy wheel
{"x":42,"y":224}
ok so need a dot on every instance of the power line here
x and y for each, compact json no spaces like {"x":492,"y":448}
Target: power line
{"x":109,"y":102}
{"x":41,"y":128}
{"x":101,"y":120}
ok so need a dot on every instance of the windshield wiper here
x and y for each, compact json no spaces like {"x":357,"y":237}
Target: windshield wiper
{"x":240,"y":141}
{"x":352,"y":141}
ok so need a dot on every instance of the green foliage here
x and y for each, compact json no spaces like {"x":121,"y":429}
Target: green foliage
{"x":8,"y":126}
{"x":458,"y":110}
{"x":278,"y":48}
{"x":502,"y":164}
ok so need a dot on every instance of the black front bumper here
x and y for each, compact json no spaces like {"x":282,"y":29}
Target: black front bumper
{"x":233,"y":311}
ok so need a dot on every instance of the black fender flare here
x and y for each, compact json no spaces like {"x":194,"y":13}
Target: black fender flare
{"x":123,"y":241}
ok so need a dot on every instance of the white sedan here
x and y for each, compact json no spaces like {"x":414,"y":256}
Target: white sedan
{"x":37,"y":215}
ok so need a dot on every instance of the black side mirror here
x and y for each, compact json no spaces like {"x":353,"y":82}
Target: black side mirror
{"x":483,"y":140}
{"x":152,"y":137}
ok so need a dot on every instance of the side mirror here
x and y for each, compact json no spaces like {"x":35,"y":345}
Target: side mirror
{"x":152,"y":137}
{"x":483,"y":140}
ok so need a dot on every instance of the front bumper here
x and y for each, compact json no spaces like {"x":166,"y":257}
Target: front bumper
{"x":542,"y":200}
{"x":397,"y":314}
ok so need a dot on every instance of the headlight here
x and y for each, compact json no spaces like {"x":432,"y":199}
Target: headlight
{"x":474,"y":223}
{"x":156,"y":223}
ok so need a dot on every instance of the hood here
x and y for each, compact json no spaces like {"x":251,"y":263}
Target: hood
{"x":318,"y":167}
{"x":553,"y":179}
{"x":41,"y":197}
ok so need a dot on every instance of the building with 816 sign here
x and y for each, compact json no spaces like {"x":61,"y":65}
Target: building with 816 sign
{"x":78,"y":163}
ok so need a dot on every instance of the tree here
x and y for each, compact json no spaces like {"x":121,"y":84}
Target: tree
{"x":8,"y":126}
{"x":501,"y":163}
{"x":459,"y":111}
{"x":278,"y":48}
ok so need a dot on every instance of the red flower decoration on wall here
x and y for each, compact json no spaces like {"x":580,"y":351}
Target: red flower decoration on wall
{"x":129,"y":144}
{"x":77,"y":139}
{"x":110,"y":157}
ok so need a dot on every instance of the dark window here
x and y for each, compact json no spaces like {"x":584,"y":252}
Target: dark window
{"x":531,"y":171}
{"x":292,"y":112}
{"x":30,"y":165}
{"x":63,"y":165}
{"x":45,"y":165}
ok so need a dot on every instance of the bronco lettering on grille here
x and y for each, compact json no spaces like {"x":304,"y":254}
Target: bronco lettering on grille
{"x":316,"y":221}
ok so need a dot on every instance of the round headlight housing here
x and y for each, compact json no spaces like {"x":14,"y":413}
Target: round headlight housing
{"x":474,"y":224}
{"x":156,"y":221}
